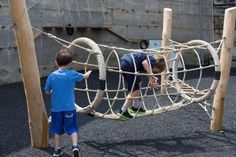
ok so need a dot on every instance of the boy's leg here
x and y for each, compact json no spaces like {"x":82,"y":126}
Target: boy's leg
{"x":136,"y":105}
{"x":74,"y":138}
{"x":57,"y":151}
{"x":57,"y":129}
{"x":124,"y":114}
{"x":129,"y":101}
{"x":133,"y":88}
{"x":57,"y":141}
{"x":75,"y":146}
{"x":132,"y":81}
{"x":71,"y":128}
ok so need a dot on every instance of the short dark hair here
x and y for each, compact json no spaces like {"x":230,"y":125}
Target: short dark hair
{"x":64,"y":57}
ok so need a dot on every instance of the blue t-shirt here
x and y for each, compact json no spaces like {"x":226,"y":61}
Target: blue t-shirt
{"x":61,"y":83}
{"x":138,"y":57}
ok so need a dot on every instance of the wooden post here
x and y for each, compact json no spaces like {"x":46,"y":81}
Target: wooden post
{"x":225,"y":63}
{"x":166,"y":36}
{"x":38,"y":120}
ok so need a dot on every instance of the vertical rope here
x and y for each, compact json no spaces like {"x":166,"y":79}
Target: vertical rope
{"x":86,"y":81}
{"x":117,"y":92}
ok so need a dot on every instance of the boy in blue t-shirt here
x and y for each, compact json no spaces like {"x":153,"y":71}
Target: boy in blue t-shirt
{"x":60,"y":85}
{"x":138,"y":62}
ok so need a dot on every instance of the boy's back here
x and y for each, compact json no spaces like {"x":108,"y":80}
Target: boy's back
{"x":61,"y":83}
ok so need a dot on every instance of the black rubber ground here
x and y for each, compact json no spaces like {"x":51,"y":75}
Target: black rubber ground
{"x":184,"y":132}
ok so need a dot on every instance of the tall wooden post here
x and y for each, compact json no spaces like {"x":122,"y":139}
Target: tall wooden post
{"x":225,"y":62}
{"x":38,"y":120}
{"x":166,"y":36}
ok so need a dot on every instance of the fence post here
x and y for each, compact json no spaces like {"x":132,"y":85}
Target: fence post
{"x":225,"y":63}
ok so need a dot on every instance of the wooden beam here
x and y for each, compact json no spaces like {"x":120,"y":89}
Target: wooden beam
{"x":36,"y":35}
{"x":38,"y":119}
{"x":166,"y":36}
{"x":225,"y":63}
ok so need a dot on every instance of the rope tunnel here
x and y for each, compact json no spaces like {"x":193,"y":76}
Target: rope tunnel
{"x":179,"y":90}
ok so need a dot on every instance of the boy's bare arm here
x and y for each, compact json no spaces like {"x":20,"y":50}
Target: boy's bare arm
{"x":147,"y":68}
{"x":151,"y":77}
{"x":87,"y":74}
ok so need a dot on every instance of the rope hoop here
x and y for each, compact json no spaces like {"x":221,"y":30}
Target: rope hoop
{"x":179,"y":85}
{"x":95,"y":50}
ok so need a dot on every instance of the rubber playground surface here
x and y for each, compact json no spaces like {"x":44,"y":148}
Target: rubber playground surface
{"x":184,"y":132}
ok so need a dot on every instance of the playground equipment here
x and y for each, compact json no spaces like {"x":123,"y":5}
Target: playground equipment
{"x":184,"y":93}
{"x":178,"y":91}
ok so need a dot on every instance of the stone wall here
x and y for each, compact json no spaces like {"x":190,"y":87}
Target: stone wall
{"x":113,"y":22}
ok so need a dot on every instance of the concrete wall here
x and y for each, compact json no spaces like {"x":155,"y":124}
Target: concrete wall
{"x":113,"y":22}
{"x":219,"y":9}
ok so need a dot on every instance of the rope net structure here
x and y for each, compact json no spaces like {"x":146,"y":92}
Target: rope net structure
{"x":104,"y":97}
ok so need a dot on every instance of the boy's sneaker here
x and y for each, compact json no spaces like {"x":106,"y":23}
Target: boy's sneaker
{"x":137,"y":110}
{"x":57,"y":152}
{"x":125,"y":115}
{"x":76,"y":151}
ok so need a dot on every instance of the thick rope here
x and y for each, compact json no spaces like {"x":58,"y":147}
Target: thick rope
{"x":178,"y":91}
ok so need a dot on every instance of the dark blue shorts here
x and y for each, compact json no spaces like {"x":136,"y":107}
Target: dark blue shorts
{"x":130,"y":77}
{"x":65,"y":121}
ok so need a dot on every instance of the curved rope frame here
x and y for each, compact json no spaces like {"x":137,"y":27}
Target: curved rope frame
{"x":95,"y":50}
{"x":181,"y":95}
{"x":178,"y":85}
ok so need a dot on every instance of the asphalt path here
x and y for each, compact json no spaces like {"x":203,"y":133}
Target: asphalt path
{"x":184,"y":132}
